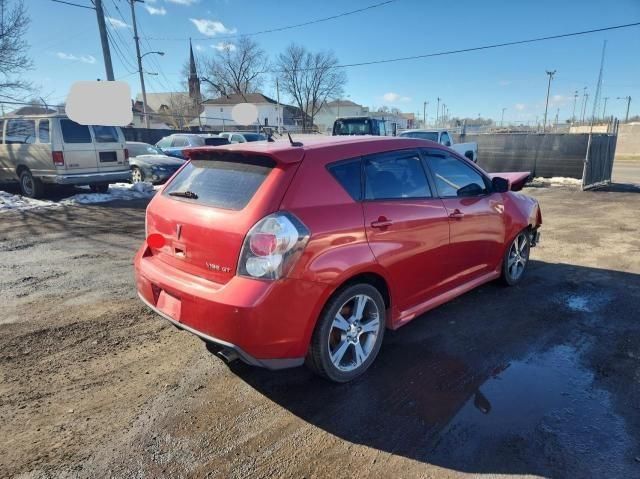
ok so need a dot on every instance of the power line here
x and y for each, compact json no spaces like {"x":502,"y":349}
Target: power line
{"x":288,"y":27}
{"x":471,"y":49}
{"x":74,"y":4}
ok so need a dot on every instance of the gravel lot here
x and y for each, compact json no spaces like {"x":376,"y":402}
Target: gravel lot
{"x":541,"y":379}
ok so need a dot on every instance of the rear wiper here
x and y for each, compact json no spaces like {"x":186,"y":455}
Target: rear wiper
{"x":184,"y":194}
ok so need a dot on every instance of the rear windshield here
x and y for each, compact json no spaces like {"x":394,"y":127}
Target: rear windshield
{"x":423,"y":135}
{"x":355,"y":126}
{"x":72,"y":132}
{"x":222,"y":184}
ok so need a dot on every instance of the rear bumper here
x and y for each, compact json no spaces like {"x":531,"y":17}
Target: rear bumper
{"x":88,"y":178}
{"x":267,"y":324}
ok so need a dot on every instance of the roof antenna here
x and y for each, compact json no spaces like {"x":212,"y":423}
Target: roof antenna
{"x":293,"y":143}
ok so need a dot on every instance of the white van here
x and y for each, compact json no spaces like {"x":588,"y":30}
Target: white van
{"x":52,"y":149}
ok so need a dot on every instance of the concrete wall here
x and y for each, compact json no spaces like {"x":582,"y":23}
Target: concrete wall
{"x":629,"y":141}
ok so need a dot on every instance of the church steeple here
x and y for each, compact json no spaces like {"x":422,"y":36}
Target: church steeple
{"x":194,"y":81}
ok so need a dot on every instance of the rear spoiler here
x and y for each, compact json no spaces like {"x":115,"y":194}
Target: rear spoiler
{"x":516,"y":179}
{"x":235,"y":153}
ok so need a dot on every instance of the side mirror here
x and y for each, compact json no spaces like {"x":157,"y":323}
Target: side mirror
{"x":447,"y":143}
{"x":500,"y":185}
{"x":469,"y":155}
{"x":472,"y":189}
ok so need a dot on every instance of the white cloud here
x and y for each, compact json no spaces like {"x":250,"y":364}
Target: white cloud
{"x":222,"y":46}
{"x":520,"y":106}
{"x":183,"y":2}
{"x":155,"y":10}
{"x":211,"y":28}
{"x":115,"y":23}
{"x":392,"y":97}
{"x":82,"y":58}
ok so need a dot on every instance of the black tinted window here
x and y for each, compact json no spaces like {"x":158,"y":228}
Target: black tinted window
{"x":43,"y":131}
{"x":395,"y":175}
{"x":348,"y":175}
{"x":222,"y":184}
{"x":105,"y":134}
{"x":74,"y":133}
{"x":454,"y":177}
{"x":20,"y":131}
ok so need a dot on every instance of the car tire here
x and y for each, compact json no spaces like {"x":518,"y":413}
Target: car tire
{"x":137,"y":176}
{"x":30,"y":186}
{"x":516,"y":259}
{"x":348,"y":334}
{"x":99,"y":187}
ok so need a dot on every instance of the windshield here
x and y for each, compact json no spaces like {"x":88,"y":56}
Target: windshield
{"x":423,"y":135}
{"x":356,"y":126}
{"x":138,"y":149}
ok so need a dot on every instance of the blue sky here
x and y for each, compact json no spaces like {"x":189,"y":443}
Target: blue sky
{"x":65,"y":47}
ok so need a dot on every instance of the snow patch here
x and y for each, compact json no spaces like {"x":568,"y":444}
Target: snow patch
{"x":556,"y":181}
{"x":117,"y":191}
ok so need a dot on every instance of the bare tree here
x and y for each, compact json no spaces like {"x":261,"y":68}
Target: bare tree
{"x":13,"y":59}
{"x":235,"y":68}
{"x":310,"y":79}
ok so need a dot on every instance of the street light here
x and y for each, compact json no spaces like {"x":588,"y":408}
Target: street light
{"x":628,"y":98}
{"x":144,"y":90}
{"x":149,"y":53}
{"x":550,"y":73}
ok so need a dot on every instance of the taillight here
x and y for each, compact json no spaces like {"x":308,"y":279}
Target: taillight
{"x":126,"y":153}
{"x":156,"y":240}
{"x":272,"y":246}
{"x":58,"y":158}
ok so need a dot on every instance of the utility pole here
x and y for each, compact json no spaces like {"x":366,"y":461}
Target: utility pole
{"x":604,"y":109}
{"x":628,"y":98}
{"x":585,"y":96}
{"x":550,"y":73}
{"x":106,"y":53}
{"x":575,"y":100}
{"x":140,"y":72}
{"x":424,"y":113}
{"x":502,"y":117}
{"x":438,"y":112}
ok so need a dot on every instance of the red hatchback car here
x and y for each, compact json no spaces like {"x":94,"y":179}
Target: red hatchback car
{"x":283,"y":254}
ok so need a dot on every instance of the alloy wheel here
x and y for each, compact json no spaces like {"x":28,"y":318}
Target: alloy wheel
{"x":518,"y":256}
{"x":353,"y":332}
{"x":27,"y":185}
{"x":136,"y":175}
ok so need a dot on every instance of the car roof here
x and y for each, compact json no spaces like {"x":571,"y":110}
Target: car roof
{"x":425,"y":130}
{"x":345,"y":146}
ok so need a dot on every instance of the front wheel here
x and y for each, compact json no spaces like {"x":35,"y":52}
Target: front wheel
{"x":349,"y":334}
{"x":516,"y":259}
{"x":136,"y":175}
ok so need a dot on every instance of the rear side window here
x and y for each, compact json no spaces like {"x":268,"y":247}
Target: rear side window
{"x":348,"y":174}
{"x":72,"y":132}
{"x":21,"y":132}
{"x":395,"y":175}
{"x":43,"y":131}
{"x":226,"y":183}
{"x":105,"y":134}
{"x":195,"y":141}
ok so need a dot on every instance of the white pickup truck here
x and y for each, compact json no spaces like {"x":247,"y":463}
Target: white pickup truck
{"x":469,"y":150}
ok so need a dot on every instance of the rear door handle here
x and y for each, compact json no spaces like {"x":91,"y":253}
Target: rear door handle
{"x":456,"y":214}
{"x":381,"y":223}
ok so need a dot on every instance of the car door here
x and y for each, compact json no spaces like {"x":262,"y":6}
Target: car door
{"x":110,"y":146}
{"x":476,"y":215}
{"x":78,"y":146}
{"x":407,"y":226}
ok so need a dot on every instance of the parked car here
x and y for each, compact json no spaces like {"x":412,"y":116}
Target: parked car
{"x":442,"y":136}
{"x":174,"y":145}
{"x":149,"y":163}
{"x":242,"y":136}
{"x":360,"y":125}
{"x":284,"y":254}
{"x":36,"y":150}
